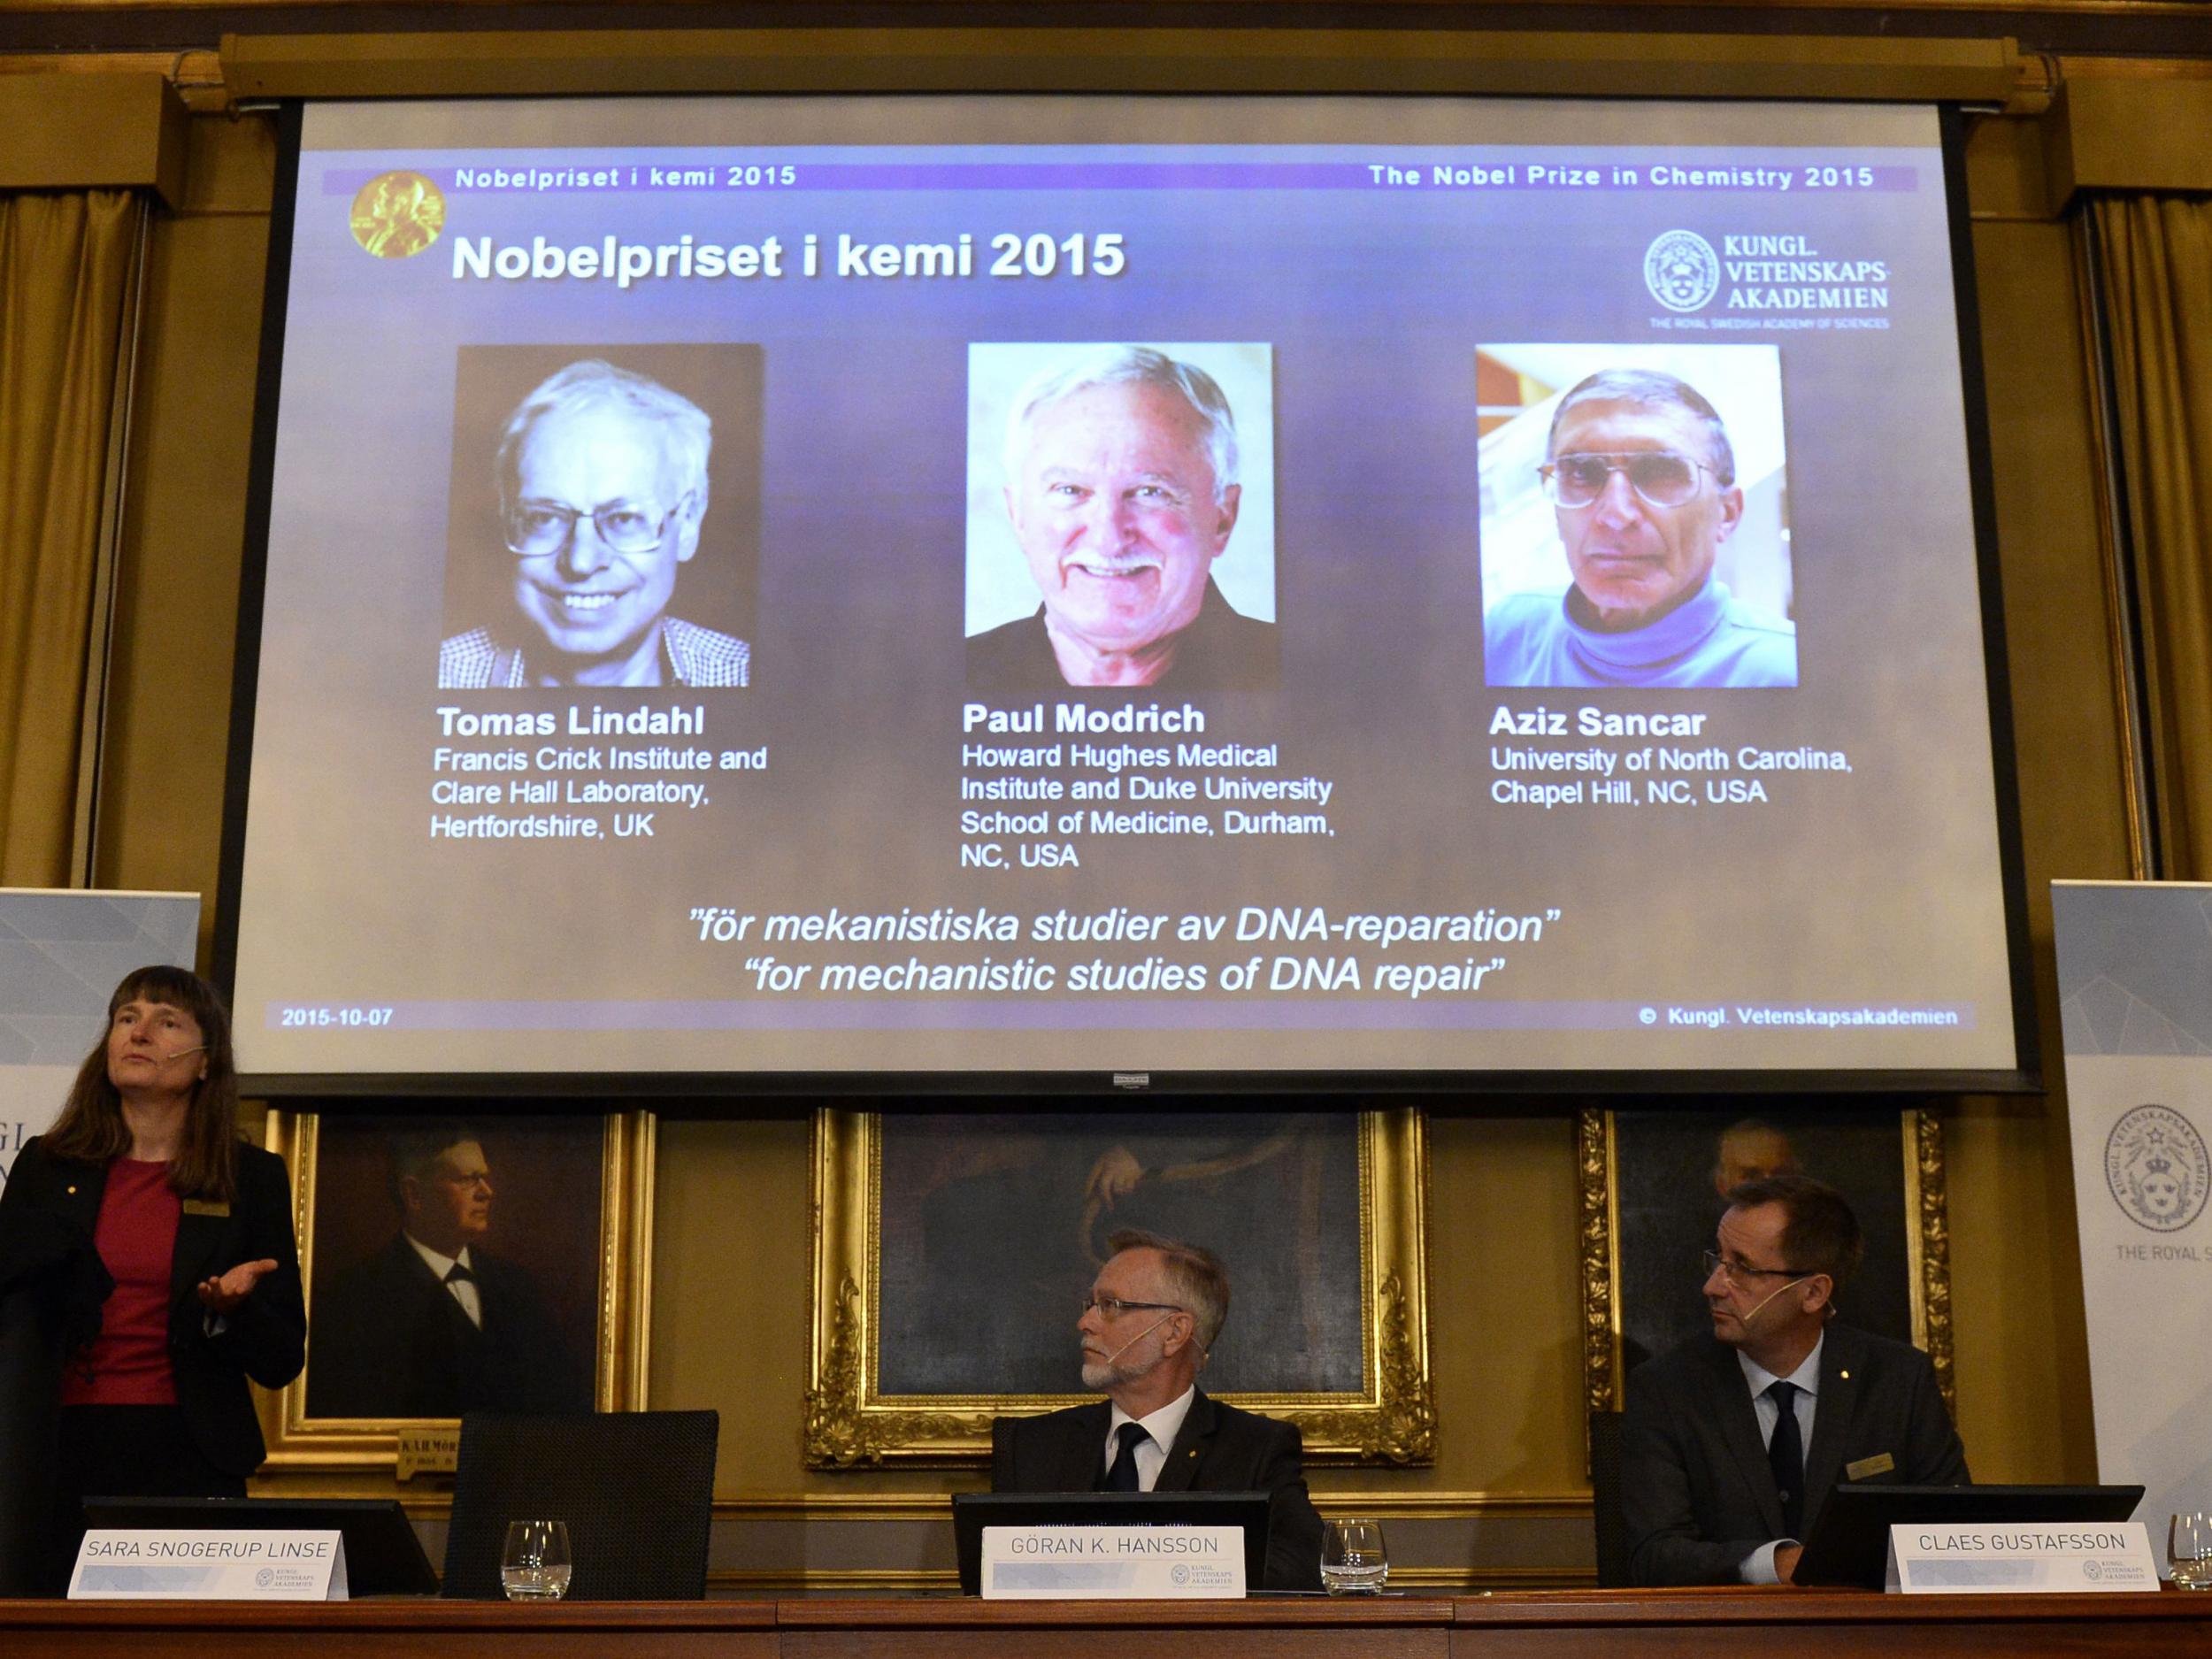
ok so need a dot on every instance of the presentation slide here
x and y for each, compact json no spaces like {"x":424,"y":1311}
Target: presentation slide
{"x":1103,"y":589}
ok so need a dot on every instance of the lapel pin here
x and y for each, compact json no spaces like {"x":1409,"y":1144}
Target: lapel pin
{"x":1192,"y":1453}
{"x":1845,"y":1375}
{"x":72,"y":1191}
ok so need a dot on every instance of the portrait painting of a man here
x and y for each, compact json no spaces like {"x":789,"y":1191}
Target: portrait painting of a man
{"x":454,"y":1267}
{"x":1672,"y":1170}
{"x":993,"y":1227}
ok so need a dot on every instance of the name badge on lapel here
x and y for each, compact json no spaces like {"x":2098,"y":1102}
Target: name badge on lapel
{"x":1880,"y":1464}
{"x":206,"y":1207}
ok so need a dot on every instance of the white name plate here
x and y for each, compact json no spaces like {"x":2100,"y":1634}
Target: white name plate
{"x":1094,"y":1563}
{"x":2020,"y":1558}
{"x":119,"y":1563}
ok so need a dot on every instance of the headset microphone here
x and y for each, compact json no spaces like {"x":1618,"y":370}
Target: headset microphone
{"x":1133,"y":1340}
{"x":1745,"y":1318}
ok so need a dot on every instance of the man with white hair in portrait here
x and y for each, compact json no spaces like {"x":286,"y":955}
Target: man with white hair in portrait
{"x":603,"y":484}
{"x":1122,"y":486}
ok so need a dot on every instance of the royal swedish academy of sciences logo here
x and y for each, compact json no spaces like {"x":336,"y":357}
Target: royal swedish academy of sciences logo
{"x":396,"y":215}
{"x":2155,"y":1163}
{"x":1681,"y":270}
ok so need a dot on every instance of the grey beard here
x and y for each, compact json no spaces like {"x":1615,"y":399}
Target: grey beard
{"x":1100,"y":1374}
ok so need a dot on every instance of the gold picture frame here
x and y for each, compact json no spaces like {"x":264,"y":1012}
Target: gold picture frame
{"x":849,"y":1421}
{"x":1926,"y":1249}
{"x":622,"y":1304}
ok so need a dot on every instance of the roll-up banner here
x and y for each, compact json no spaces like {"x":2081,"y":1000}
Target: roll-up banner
{"x":61,"y":952}
{"x":2135,"y":986}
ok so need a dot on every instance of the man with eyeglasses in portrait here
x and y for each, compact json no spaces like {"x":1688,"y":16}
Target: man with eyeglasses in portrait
{"x":602,"y":486}
{"x":1152,"y":1315}
{"x":1732,"y":1444}
{"x":1642,"y":481}
{"x":435,"y":1323}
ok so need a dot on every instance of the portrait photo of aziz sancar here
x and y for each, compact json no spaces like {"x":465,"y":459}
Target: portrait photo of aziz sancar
{"x":1120,"y":518}
{"x":602,"y":526}
{"x":1631,"y":535}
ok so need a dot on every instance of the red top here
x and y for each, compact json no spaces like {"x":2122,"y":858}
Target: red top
{"x":136,"y":1237}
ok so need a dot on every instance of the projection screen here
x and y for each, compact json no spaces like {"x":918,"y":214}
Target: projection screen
{"x":1061,"y":592}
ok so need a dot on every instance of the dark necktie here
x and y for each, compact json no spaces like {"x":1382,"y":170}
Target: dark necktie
{"x":1785,"y":1456}
{"x":459,"y":1275}
{"x":1123,"y":1476}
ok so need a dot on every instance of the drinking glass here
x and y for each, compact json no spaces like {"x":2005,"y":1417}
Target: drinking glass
{"x":1353,"y":1560}
{"x":2189,"y":1547}
{"x":534,"y":1566}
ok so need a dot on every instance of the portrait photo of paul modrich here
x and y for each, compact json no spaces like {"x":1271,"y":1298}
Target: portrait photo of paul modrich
{"x":1121,"y":517}
{"x":1634,"y":522}
{"x":604,"y":516}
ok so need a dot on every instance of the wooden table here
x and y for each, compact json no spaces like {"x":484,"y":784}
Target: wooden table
{"x":1771,"y":1624}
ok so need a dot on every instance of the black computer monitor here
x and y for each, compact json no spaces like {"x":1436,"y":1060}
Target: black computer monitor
{"x":383,"y":1556}
{"x":972,"y":1511}
{"x":1850,"y":1540}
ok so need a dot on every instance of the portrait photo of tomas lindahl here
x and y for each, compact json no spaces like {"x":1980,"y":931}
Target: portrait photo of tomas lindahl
{"x":605,"y":510}
{"x":1632,"y":534}
{"x":1120,"y":518}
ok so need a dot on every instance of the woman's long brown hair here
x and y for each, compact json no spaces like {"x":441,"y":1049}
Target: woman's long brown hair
{"x":91,"y":1130}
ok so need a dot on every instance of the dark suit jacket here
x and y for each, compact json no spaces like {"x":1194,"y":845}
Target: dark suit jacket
{"x":391,"y":1341}
{"x":1697,"y":1491}
{"x":1222,"y":649}
{"x":52,"y":1286}
{"x":1219,"y":1448}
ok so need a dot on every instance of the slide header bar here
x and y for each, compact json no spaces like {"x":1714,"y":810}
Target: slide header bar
{"x":1582,"y":65}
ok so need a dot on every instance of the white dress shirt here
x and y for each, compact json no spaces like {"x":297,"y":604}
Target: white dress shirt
{"x":1758,"y":1566}
{"x":464,"y":1290}
{"x":1162,"y":1426}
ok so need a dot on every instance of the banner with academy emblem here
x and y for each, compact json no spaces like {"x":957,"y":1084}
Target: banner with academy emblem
{"x":2135,"y":989}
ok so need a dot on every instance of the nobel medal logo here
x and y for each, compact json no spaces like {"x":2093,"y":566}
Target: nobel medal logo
{"x":1682,"y":270}
{"x":2155,"y":1163}
{"x":1179,"y":1574}
{"x":396,"y":215}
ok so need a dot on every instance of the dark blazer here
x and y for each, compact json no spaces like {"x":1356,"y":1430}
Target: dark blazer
{"x":391,"y":1341}
{"x":1218,"y":1448}
{"x":52,"y":1286}
{"x":1222,"y":649}
{"x":1697,"y":1491}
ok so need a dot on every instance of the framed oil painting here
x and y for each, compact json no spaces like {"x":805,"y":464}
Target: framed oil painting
{"x":456,"y":1265}
{"x":952,"y":1251}
{"x":1651,"y":1183}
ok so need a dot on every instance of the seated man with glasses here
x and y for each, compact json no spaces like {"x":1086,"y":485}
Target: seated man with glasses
{"x":602,"y":483}
{"x":1152,"y":1313}
{"x":1643,"y":480}
{"x":1731,"y":1446}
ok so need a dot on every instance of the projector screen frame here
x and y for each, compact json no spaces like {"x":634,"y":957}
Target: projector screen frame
{"x":1880,"y":1085}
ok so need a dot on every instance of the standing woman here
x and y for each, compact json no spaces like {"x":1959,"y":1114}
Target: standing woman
{"x":147,"y":1269}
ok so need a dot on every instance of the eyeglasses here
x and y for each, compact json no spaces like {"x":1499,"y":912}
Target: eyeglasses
{"x":538,"y":529}
{"x":1661,"y":477}
{"x":1732,"y":1272}
{"x":1114,"y":1307}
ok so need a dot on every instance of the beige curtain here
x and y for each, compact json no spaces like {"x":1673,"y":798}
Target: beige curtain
{"x":2155,"y":258}
{"x":66,"y":270}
